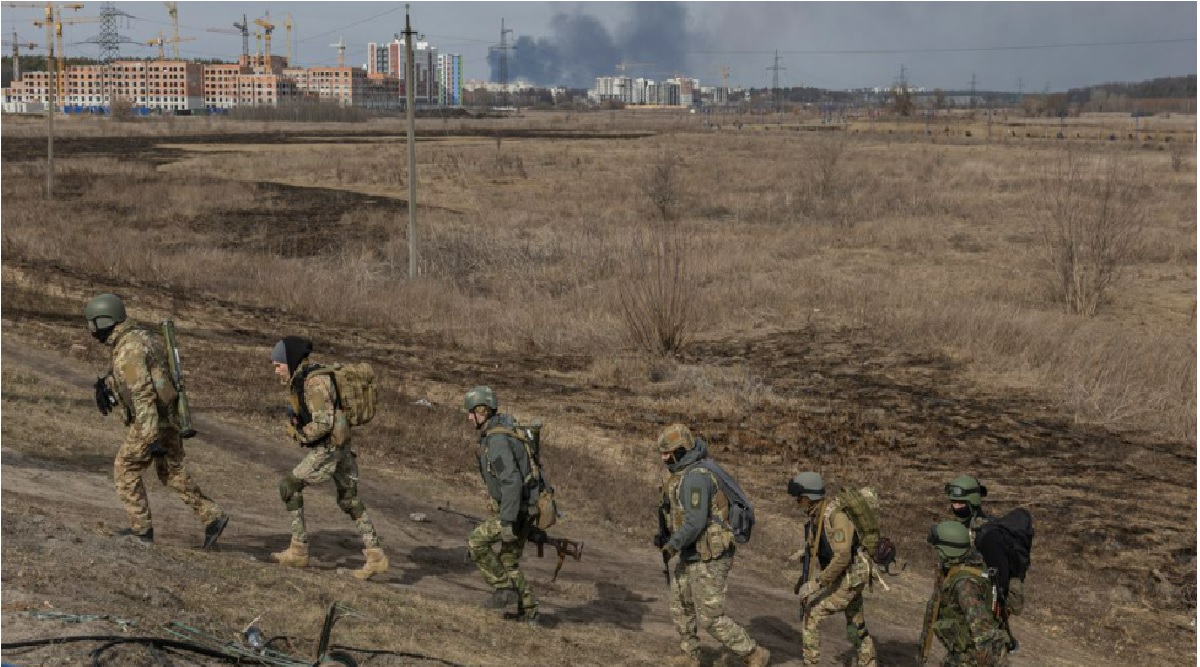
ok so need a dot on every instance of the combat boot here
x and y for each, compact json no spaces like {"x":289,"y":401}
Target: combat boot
{"x":213,"y":531}
{"x":685,"y":660}
{"x":758,"y":657}
{"x":377,"y":563}
{"x":147,"y":537}
{"x":501,"y":598}
{"x":296,"y":555}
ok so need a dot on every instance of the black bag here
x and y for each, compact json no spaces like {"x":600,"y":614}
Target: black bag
{"x":1006,"y":544}
{"x":741,"y":510}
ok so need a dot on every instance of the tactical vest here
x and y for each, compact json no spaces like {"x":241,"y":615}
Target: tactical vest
{"x":166,"y":396}
{"x":716,"y":538}
{"x":952,"y":628}
{"x":822,"y":551}
{"x":339,"y":434}
{"x":531,"y":474}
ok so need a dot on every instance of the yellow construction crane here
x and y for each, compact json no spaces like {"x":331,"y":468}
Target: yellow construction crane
{"x":53,"y":24}
{"x":161,"y":41}
{"x":173,"y":10}
{"x":268,"y":28}
{"x":287,"y":24}
{"x":341,"y":49}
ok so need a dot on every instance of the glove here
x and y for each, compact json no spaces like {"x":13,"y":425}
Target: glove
{"x":660,"y":541}
{"x":103,"y":398}
{"x":507,"y":535}
{"x":669,"y":551}
{"x":156,"y":449}
{"x":809,"y":590}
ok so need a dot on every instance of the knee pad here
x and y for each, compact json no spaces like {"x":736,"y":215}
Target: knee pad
{"x":352,"y":506}
{"x":289,"y":492}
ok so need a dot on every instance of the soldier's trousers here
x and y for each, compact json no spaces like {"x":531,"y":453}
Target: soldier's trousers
{"x":502,"y":570}
{"x":997,"y":658}
{"x":322,"y":464}
{"x":846,"y":595}
{"x":698,"y":601}
{"x":132,"y":460}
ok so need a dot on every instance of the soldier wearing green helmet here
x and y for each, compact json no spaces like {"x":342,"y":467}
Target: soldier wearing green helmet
{"x":144,"y":394}
{"x":505,"y":466}
{"x":962,"y":613}
{"x":966,"y":496}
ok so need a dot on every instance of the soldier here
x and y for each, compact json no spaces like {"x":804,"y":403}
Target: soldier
{"x":966,"y":496}
{"x":831,"y":542}
{"x":142,"y":386}
{"x":508,"y":476}
{"x":694,"y":520}
{"x":961,"y":611}
{"x":314,"y":422}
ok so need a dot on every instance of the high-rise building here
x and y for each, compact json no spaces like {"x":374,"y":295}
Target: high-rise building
{"x":450,"y":79}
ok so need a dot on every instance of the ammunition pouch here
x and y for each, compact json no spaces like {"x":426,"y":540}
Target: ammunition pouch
{"x":545,"y":511}
{"x":1014,"y":602}
{"x":290,"y":488}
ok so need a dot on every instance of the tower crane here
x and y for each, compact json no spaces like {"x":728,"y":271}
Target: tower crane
{"x":231,"y":31}
{"x":268,"y":28}
{"x":341,"y":49}
{"x":54,"y":23}
{"x":287,"y":24}
{"x":17,"y":45}
{"x":160,"y":41}
{"x":173,"y":10}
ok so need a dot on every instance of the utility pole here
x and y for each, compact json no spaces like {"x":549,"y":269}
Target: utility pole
{"x":972,"y":90}
{"x":502,"y":52}
{"x":774,"y":69}
{"x":410,"y":100}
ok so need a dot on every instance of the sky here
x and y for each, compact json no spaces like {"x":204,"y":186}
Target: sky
{"x":1004,"y":46}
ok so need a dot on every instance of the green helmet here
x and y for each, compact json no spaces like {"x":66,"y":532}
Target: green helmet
{"x":808,"y":484}
{"x":966,"y":489}
{"x":104,"y":311}
{"x":481,"y":395}
{"x":675,"y":436}
{"x":951,"y":538}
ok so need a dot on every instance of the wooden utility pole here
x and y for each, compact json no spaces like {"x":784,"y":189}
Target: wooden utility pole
{"x":410,"y":101}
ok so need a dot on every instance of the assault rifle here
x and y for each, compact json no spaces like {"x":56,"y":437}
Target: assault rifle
{"x":931,"y":616}
{"x":660,"y":540}
{"x":538,"y":538}
{"x":173,"y":365}
{"x":805,"y":572}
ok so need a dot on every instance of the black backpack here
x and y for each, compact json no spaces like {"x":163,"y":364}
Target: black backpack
{"x":741,"y":510}
{"x":1006,"y":544}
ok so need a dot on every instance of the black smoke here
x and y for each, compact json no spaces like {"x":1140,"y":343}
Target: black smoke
{"x":581,"y":48}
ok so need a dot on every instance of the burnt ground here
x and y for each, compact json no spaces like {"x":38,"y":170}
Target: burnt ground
{"x":1113,"y":580}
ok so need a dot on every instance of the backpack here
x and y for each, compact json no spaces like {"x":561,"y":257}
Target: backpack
{"x":741,"y":510}
{"x":862,"y":506}
{"x":354,"y":386}
{"x":531,"y":437}
{"x":1006,"y":544}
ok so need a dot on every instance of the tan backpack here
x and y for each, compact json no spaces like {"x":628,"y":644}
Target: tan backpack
{"x":355,"y":388}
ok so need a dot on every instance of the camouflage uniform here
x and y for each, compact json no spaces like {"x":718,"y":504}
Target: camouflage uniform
{"x":966,"y":623}
{"x":831,"y":542}
{"x":697,"y":517}
{"x":147,"y":400}
{"x":316,"y":425}
{"x":505,"y":468}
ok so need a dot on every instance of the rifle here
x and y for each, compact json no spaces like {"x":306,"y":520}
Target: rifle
{"x":173,"y":365}
{"x":805,"y":572}
{"x":931,"y":616}
{"x":537,"y":537}
{"x":660,"y":540}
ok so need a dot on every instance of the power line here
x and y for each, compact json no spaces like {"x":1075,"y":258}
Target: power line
{"x":1021,"y":47}
{"x":348,"y":25}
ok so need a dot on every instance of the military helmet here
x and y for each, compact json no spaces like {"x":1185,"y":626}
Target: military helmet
{"x":481,"y":395}
{"x":966,"y":489}
{"x":104,"y":311}
{"x":951,"y":538}
{"x":675,"y":436}
{"x":807,"y":484}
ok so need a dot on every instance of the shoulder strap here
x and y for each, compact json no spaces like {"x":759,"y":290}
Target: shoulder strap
{"x":535,"y":466}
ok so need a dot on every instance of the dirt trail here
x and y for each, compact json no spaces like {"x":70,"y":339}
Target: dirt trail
{"x":617,"y":585}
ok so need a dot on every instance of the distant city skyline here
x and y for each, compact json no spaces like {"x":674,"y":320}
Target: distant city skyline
{"x":839,"y":45}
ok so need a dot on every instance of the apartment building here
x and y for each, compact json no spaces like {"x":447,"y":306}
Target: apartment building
{"x":387,"y":60}
{"x":168,"y":85}
{"x":450,"y":81}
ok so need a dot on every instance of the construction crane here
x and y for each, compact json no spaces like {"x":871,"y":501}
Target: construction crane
{"x":17,"y":45}
{"x":53,"y":24}
{"x":341,"y":49}
{"x":622,"y":66}
{"x":724,"y":72}
{"x":173,"y":10}
{"x":161,"y":41}
{"x":230,"y":31}
{"x":268,"y":28}
{"x":287,"y":24}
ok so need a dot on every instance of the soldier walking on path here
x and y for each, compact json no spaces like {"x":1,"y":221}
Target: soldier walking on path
{"x":508,"y":475}
{"x":315,"y":422}
{"x":961,"y":613}
{"x":696,"y":529}
{"x":832,"y":543}
{"x":141,"y":389}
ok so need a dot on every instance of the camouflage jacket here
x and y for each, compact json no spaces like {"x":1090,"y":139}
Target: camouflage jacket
{"x":313,"y":402}
{"x":830,"y":538}
{"x":504,"y":466}
{"x":142,"y":382}
{"x":966,"y":622}
{"x":698,"y":514}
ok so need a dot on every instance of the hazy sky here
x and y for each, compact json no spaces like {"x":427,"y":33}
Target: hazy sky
{"x":824,"y":44}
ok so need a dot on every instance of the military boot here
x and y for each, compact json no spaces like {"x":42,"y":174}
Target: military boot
{"x":758,"y":657}
{"x":685,"y":660}
{"x":377,"y":563}
{"x":296,"y":555}
{"x":147,"y":537}
{"x":501,"y":598}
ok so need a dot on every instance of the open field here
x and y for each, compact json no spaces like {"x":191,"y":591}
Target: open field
{"x":873,"y":305}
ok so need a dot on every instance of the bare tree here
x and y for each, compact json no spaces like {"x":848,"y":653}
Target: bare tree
{"x":661,"y":183}
{"x":659,"y":293}
{"x":1091,"y":218}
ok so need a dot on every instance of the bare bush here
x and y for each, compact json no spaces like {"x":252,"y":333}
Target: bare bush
{"x":1091,"y":216}
{"x":1179,"y":153}
{"x":661,"y":185}
{"x":121,"y":109}
{"x":658,"y":294}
